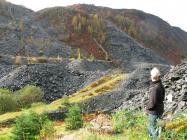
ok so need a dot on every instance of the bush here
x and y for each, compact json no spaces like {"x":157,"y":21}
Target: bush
{"x":47,"y":130}
{"x":73,"y":120}
{"x":30,"y":126}
{"x":118,"y":121}
{"x":7,"y":102}
{"x":28,"y":95}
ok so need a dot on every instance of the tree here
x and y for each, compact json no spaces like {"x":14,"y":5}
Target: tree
{"x":90,"y":29}
{"x":97,"y":28}
{"x":28,"y":95}
{"x":7,"y":102}
{"x":74,"y":119}
{"x":31,"y":126}
{"x":75,"y":23}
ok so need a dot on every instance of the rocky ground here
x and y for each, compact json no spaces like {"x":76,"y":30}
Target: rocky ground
{"x":56,"y":80}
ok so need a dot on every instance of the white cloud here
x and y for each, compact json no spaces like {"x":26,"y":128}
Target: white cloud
{"x":172,"y":11}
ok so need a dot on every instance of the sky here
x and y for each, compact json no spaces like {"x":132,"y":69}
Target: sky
{"x":172,"y":11}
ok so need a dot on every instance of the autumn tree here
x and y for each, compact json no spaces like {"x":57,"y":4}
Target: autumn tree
{"x":93,"y":25}
{"x":97,"y":28}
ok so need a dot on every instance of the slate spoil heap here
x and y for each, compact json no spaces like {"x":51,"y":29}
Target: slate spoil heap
{"x":175,"y":83}
{"x":56,"y":80}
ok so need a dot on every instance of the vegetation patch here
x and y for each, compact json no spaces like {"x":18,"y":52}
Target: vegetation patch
{"x":7,"y":101}
{"x":28,"y":95}
{"x":31,"y":126}
{"x":73,"y":118}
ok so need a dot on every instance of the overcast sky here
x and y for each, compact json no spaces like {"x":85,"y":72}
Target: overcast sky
{"x":172,"y":11}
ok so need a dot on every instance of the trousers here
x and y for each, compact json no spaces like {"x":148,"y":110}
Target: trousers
{"x":153,"y":129}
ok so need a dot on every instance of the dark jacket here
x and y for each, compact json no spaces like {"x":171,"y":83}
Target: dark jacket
{"x":157,"y":94}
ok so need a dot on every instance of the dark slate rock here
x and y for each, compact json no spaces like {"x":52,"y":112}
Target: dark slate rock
{"x":56,"y":80}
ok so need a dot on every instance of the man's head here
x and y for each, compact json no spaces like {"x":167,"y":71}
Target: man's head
{"x":155,"y":74}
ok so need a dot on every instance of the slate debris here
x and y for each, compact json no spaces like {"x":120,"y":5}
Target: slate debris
{"x":56,"y":80}
{"x":175,"y":83}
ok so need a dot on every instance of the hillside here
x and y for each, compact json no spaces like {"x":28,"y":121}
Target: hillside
{"x":96,"y":31}
{"x":70,"y":45}
{"x":96,"y":57}
{"x":149,"y":30}
{"x":10,"y":12}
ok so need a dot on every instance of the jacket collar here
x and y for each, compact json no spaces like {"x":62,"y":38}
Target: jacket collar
{"x":155,"y":82}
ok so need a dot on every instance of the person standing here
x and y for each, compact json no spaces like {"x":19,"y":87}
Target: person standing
{"x":155,"y":106}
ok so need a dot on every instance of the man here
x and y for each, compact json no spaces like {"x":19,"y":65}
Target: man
{"x":155,"y":107}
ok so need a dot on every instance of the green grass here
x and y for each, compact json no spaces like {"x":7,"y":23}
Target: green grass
{"x":5,"y":133}
{"x":135,"y":129}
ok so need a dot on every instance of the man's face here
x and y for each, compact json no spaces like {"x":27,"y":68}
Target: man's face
{"x":151,"y":78}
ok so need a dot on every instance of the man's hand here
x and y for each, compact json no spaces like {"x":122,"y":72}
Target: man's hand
{"x":145,"y":111}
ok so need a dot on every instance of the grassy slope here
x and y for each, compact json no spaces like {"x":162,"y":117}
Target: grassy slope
{"x":103,"y":85}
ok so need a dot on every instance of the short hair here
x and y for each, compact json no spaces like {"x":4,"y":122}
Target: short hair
{"x":155,"y":73}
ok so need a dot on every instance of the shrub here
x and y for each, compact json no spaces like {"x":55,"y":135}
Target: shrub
{"x":118,"y":121}
{"x":28,"y":95}
{"x":30,"y":126}
{"x":47,"y":130}
{"x":73,"y":120}
{"x":7,"y":102}
{"x":180,"y":127}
